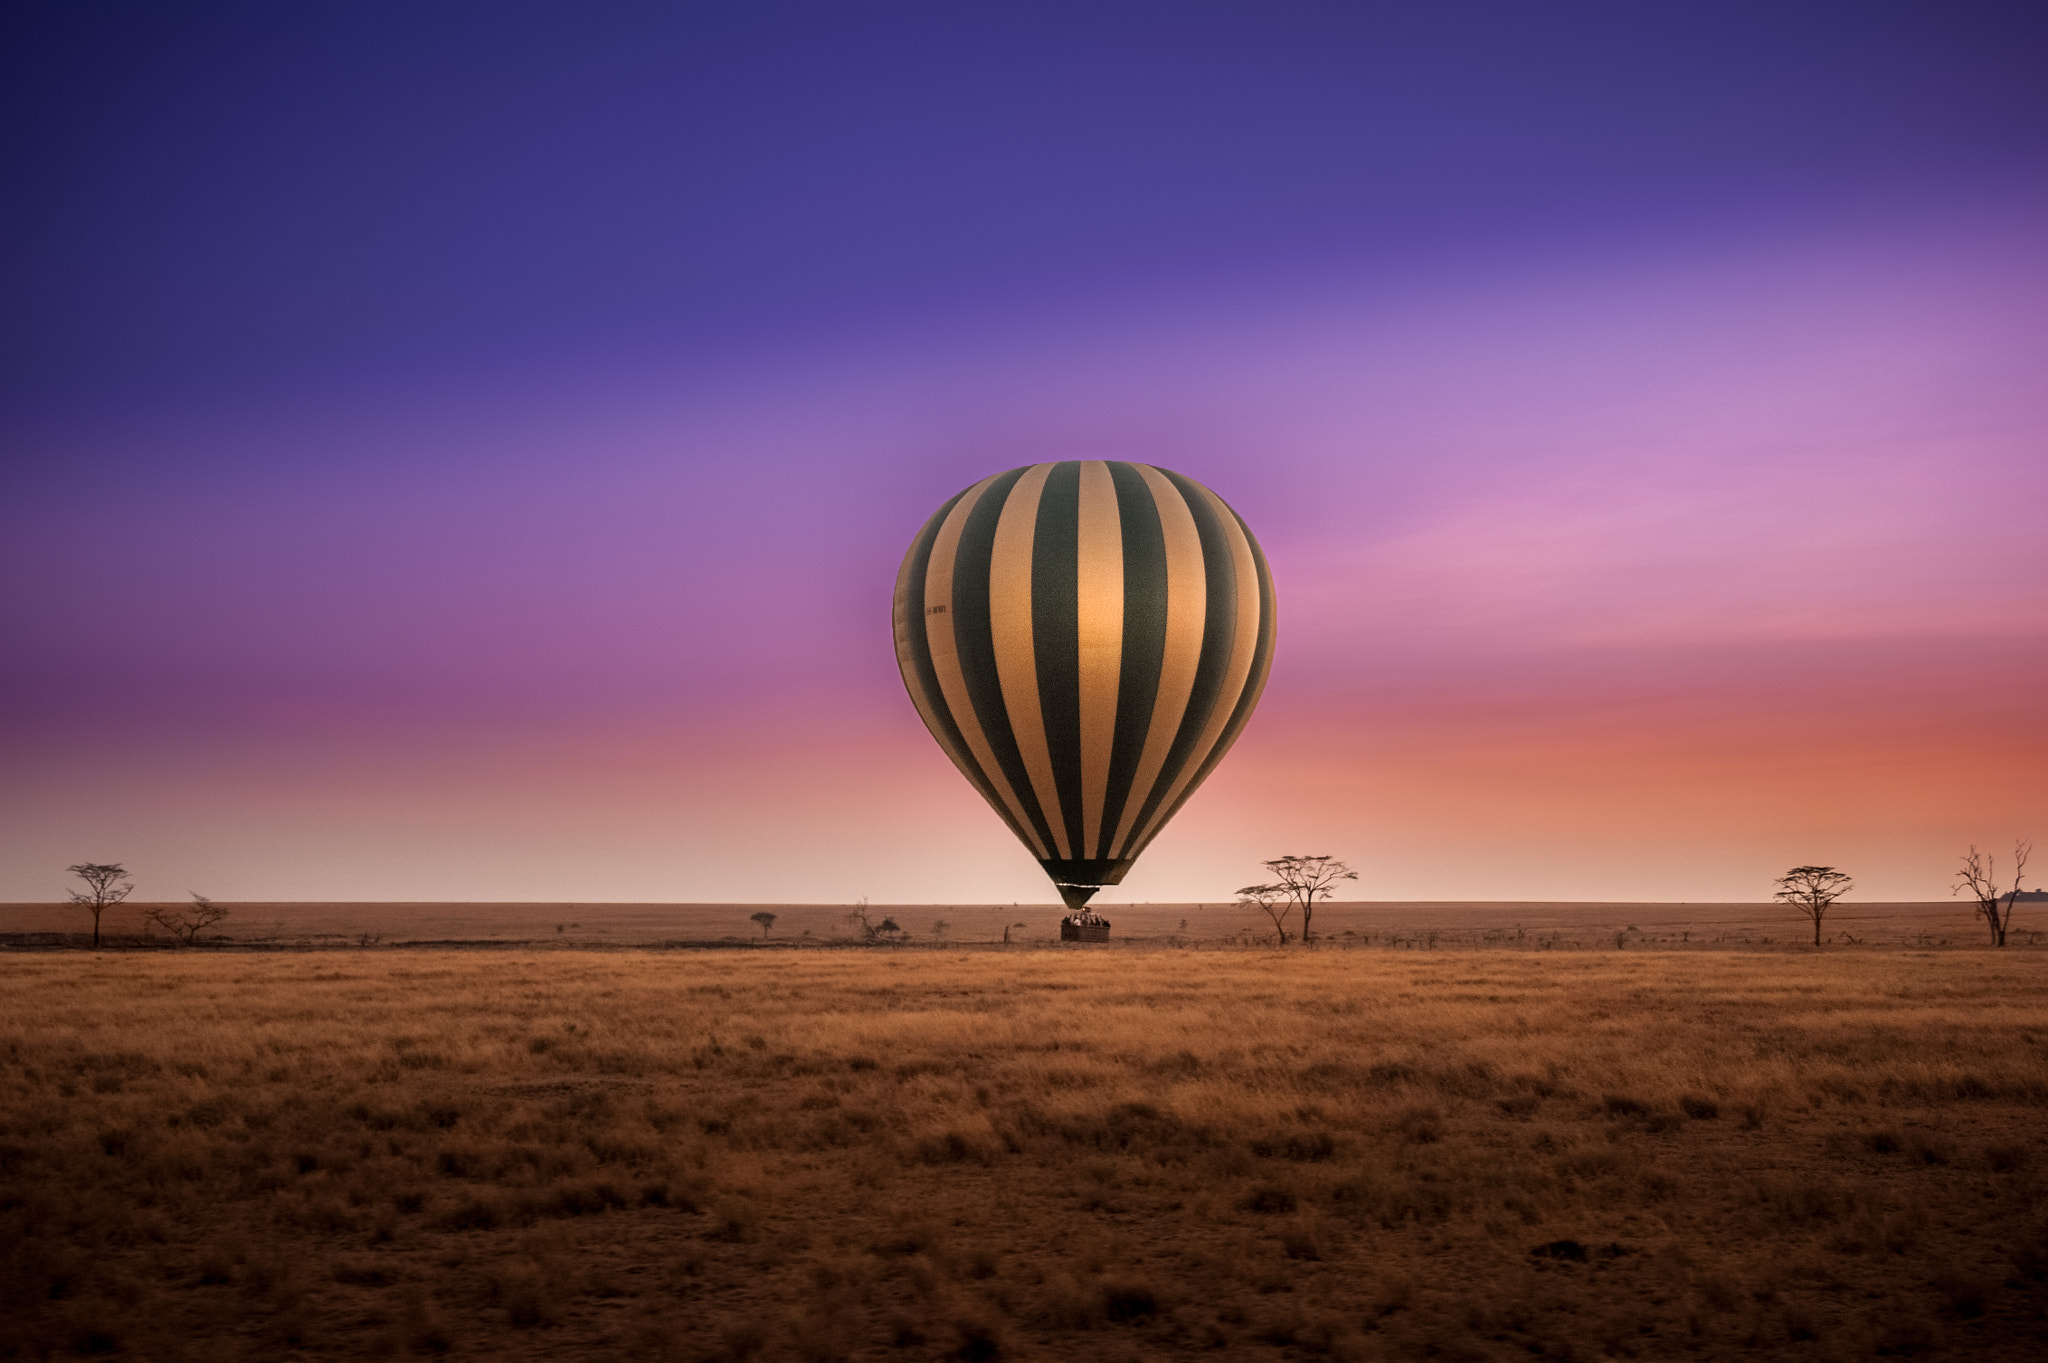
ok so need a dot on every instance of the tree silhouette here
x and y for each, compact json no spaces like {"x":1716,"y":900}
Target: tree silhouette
{"x":765,"y":919}
{"x":1271,"y":900}
{"x":101,"y":893}
{"x":1811,"y":890}
{"x":857,"y":919}
{"x":1304,"y":880}
{"x":1979,"y":875}
{"x":186,"y":922}
{"x":884,"y":931}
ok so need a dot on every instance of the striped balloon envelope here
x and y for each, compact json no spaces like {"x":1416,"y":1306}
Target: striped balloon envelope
{"x":1085,"y":640}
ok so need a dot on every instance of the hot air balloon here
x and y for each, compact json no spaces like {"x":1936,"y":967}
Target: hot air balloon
{"x":1085,"y":640}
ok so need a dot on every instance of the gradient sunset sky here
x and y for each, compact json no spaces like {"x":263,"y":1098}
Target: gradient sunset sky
{"x":464,"y":451}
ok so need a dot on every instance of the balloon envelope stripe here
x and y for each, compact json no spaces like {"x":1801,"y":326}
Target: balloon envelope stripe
{"x":1255,"y":682}
{"x":1010,"y":577}
{"x":914,"y":655}
{"x":973,"y":632}
{"x":1099,"y":629}
{"x":1213,"y":659}
{"x":1246,"y":702}
{"x":943,"y":630}
{"x":1186,"y":615}
{"x":1056,"y":641}
{"x":1229,"y":648}
{"x":1143,"y":644}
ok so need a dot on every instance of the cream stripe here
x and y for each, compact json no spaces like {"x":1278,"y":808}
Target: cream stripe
{"x":1244,"y":645}
{"x":910,"y":615}
{"x":1101,"y":619}
{"x":1009,"y":617}
{"x":945,"y":647}
{"x":1187,"y":597}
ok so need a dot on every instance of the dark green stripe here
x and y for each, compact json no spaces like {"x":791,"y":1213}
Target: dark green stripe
{"x":1056,"y":634}
{"x":1254,"y":682}
{"x":1144,"y":646}
{"x":1219,"y":620}
{"x":922,"y":675}
{"x":971,"y":630}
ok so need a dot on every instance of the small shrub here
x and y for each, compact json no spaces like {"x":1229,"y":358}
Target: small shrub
{"x":1963,"y":1294}
{"x":1571,"y":1251}
{"x":1929,"y":1149}
{"x":1800,"y":1324}
{"x":1268,"y":1200}
{"x":527,"y":1303}
{"x":2005,"y":1159}
{"x":472,"y":1213}
{"x":1698,"y":1108}
{"x":1420,"y":1125}
{"x":1302,"y":1147}
{"x":744,"y":1340}
{"x":979,"y":1342}
{"x":912,"y":1238}
{"x":1905,"y":1336}
{"x":951,"y":1148}
{"x":1301,"y":1243}
{"x":1128,"y":1301}
{"x":733,"y":1223}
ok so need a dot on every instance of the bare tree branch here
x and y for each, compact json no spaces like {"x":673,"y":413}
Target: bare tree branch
{"x":1979,"y":876}
{"x":186,"y":922}
{"x":1271,"y":900}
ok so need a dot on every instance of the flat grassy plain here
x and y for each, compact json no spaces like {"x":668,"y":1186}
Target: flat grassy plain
{"x":1349,"y":923}
{"x":1034,"y":1153}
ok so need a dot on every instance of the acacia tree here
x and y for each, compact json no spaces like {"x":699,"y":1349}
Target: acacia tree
{"x":101,"y":893}
{"x":1811,"y":890}
{"x":1271,"y":900}
{"x":1979,"y":875}
{"x":765,"y":919}
{"x":1304,"y":880}
{"x":186,"y":922}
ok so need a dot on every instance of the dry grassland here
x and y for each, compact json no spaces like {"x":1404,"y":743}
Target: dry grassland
{"x":1037,"y":1154}
{"x":1377,"y":924}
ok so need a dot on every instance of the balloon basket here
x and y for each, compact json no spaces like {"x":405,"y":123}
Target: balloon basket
{"x":1084,"y":927}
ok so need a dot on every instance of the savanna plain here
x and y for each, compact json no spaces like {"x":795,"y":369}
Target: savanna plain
{"x":1031,"y":1153}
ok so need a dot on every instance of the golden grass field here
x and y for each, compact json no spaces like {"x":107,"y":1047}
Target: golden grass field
{"x":1374,"y":923}
{"x":980,"y":1154}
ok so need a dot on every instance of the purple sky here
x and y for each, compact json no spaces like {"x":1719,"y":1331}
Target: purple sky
{"x":465,"y":453}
